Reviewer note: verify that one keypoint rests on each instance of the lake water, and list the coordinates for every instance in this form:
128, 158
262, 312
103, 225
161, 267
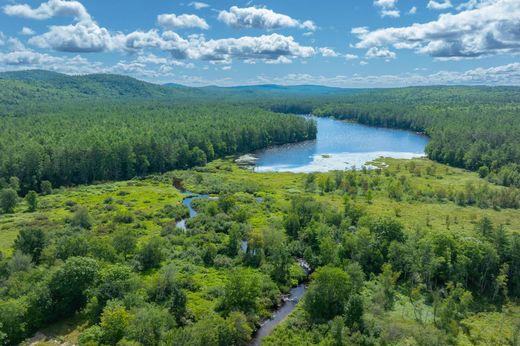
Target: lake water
340, 145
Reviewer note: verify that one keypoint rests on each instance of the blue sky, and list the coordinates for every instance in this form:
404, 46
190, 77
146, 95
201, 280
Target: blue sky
362, 43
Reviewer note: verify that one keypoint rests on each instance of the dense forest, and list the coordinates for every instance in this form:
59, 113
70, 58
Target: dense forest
117, 142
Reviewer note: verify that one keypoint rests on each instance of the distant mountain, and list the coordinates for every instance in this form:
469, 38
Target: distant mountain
102, 85
280, 90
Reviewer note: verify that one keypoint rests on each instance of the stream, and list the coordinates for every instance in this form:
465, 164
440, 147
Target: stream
289, 301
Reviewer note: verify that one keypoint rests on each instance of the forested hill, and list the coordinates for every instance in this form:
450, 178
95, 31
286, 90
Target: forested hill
25, 92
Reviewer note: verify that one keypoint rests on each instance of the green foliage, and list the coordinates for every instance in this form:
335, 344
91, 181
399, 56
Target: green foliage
32, 200
20, 262
114, 324
213, 330
149, 325
213, 283
451, 309
46, 187
8, 200
68, 285
328, 294
113, 282
150, 254
30, 241
125, 242
386, 287
82, 218
13, 322
241, 292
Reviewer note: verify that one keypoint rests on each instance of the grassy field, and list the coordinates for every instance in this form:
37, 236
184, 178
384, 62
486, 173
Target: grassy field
144, 201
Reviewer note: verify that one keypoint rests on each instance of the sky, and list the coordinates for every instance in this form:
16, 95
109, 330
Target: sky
344, 43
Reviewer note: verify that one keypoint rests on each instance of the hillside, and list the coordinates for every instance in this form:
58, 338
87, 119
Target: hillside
24, 92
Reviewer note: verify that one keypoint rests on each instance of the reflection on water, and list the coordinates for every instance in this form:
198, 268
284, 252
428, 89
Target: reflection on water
340, 145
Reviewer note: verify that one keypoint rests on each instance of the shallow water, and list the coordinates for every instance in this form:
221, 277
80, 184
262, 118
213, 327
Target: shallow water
290, 303
187, 202
341, 145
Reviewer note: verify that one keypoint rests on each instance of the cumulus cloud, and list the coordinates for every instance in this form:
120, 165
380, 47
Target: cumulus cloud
413, 10
376, 52
269, 48
49, 9
27, 31
27, 57
387, 8
439, 5
328, 52
261, 18
19, 57
82, 37
272, 48
182, 21
351, 56
491, 28
198, 5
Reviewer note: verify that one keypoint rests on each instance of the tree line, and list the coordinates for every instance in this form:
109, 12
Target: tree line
115, 142
472, 128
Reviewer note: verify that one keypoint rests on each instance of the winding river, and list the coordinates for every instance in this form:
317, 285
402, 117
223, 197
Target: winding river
340, 145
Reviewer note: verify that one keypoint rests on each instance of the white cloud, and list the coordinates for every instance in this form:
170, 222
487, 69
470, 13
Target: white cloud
27, 31
351, 56
387, 8
155, 60
471, 4
2, 39
182, 21
327, 52
268, 48
49, 9
362, 30
28, 57
376, 52
491, 28
261, 18
413, 10
439, 5
85, 37
198, 5
499, 75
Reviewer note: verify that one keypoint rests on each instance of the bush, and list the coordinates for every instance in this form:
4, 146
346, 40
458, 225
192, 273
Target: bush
328, 294
82, 218
8, 200
32, 200
31, 242
150, 255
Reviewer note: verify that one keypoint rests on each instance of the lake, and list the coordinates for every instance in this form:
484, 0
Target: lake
341, 145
